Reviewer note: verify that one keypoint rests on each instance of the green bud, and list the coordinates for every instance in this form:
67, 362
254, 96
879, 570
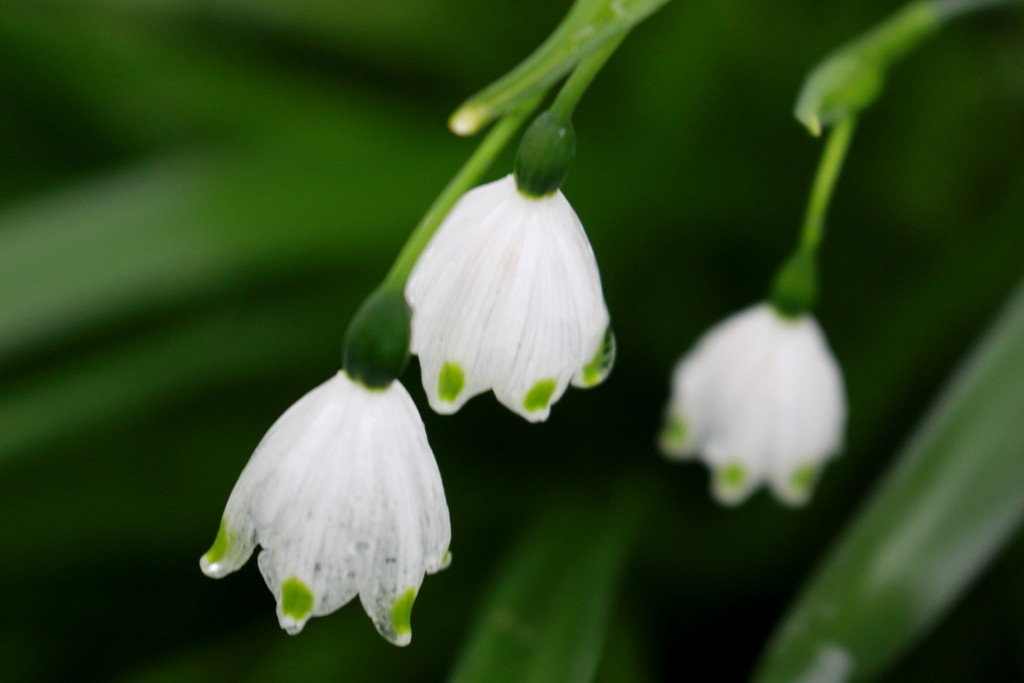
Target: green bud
851, 78
377, 340
795, 290
545, 154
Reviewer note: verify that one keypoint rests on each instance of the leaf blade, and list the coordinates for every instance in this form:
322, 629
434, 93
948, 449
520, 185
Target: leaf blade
951, 501
549, 612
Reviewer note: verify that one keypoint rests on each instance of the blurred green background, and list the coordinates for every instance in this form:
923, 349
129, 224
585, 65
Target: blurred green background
195, 197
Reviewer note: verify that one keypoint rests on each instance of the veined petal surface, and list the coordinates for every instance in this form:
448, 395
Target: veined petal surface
344, 497
507, 297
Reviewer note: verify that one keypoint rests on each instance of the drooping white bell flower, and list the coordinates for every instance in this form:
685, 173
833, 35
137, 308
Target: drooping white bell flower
507, 297
344, 497
760, 398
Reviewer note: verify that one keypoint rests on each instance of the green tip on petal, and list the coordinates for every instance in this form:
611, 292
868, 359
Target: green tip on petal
733, 476
450, 382
401, 612
296, 599
219, 548
446, 560
730, 484
539, 396
673, 437
801, 484
601, 364
213, 562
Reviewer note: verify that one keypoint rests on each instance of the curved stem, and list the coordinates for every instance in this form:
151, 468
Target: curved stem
477, 164
582, 76
584, 30
824, 183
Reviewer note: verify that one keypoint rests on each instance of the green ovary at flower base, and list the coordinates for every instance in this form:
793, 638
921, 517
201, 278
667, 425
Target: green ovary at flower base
506, 295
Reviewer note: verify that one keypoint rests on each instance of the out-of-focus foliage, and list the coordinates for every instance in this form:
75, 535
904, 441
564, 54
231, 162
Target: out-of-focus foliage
195, 197
949, 504
548, 615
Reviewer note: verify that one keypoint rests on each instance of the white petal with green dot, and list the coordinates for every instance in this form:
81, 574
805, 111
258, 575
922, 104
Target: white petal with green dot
507, 297
762, 400
344, 498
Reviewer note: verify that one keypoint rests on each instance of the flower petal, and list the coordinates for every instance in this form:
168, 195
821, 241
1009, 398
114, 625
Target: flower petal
507, 297
344, 497
761, 398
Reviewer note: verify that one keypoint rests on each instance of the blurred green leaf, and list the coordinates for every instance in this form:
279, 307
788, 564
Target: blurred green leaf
627, 656
952, 500
143, 371
548, 615
169, 229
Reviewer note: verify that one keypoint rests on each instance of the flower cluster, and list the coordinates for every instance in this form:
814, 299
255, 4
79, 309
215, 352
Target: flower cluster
343, 494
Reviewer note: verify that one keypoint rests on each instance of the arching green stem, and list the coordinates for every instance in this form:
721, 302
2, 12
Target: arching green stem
467, 176
548, 147
853, 76
576, 85
588, 26
795, 289
831, 164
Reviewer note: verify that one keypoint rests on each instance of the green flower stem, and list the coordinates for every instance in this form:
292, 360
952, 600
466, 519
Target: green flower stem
582, 76
548, 147
853, 76
795, 288
831, 164
470, 173
588, 25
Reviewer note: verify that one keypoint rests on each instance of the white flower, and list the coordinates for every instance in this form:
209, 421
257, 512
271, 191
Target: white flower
760, 398
507, 297
344, 497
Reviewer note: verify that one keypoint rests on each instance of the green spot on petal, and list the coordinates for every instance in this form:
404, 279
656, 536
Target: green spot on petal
601, 364
673, 436
219, 548
539, 396
450, 382
732, 477
803, 479
296, 599
401, 612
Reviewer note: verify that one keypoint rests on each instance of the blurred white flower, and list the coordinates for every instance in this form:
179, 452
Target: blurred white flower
507, 297
344, 498
760, 398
